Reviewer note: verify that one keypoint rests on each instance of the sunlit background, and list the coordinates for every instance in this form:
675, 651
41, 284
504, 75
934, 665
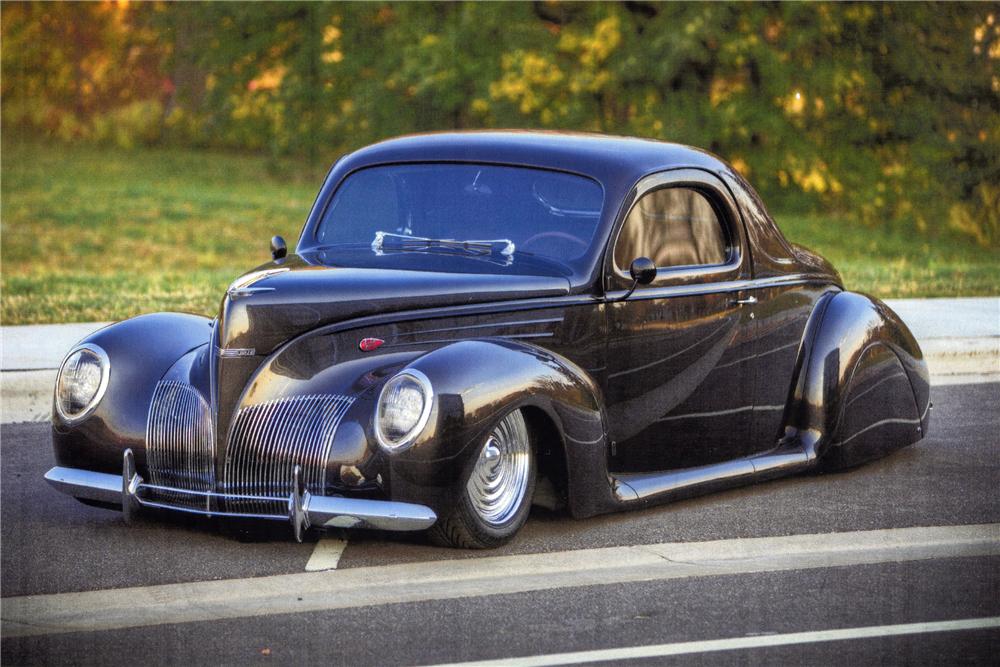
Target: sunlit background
150, 150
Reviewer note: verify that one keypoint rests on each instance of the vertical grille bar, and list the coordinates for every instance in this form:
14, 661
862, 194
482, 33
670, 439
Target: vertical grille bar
269, 439
180, 447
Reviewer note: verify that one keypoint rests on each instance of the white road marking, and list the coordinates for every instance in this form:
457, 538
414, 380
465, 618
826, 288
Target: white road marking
474, 577
326, 554
736, 643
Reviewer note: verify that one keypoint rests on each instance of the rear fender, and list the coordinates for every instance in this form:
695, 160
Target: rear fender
853, 340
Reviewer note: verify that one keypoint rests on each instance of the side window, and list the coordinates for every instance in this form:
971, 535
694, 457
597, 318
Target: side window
673, 227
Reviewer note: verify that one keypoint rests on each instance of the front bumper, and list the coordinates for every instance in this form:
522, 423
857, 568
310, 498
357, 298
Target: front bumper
304, 509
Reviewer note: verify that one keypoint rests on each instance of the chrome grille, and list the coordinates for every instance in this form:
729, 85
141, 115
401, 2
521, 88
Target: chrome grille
269, 439
180, 447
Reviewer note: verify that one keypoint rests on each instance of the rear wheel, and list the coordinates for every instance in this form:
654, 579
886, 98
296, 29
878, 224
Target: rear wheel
493, 503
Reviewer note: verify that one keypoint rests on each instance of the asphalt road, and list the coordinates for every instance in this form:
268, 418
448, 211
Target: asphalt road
51, 544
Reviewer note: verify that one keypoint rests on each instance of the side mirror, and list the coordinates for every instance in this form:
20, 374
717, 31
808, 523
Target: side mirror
278, 247
643, 272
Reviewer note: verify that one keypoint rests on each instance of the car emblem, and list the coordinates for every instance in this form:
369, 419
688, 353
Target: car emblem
231, 352
370, 344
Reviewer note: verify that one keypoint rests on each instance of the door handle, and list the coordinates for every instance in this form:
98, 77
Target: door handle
742, 302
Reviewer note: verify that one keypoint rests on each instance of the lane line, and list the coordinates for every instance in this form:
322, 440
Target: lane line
326, 554
736, 643
476, 577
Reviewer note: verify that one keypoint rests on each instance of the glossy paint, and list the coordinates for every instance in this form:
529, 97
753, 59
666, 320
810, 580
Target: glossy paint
705, 378
673, 343
141, 350
480, 365
855, 343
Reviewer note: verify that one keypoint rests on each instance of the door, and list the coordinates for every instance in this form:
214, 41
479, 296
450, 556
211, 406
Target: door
782, 312
679, 374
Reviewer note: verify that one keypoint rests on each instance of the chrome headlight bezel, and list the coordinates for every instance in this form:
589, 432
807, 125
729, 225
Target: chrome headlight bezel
424, 383
95, 400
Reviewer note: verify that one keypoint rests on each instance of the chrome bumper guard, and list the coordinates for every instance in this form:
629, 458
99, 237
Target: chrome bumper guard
304, 509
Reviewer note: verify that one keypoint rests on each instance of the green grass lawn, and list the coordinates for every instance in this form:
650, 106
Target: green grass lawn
98, 234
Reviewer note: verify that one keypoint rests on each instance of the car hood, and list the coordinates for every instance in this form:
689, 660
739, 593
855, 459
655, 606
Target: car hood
280, 300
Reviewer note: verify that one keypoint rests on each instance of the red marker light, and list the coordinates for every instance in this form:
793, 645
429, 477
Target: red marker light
370, 344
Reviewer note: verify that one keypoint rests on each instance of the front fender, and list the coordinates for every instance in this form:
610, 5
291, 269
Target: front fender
474, 383
847, 337
140, 350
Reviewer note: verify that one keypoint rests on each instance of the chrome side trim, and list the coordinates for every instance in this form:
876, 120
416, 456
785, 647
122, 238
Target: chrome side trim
455, 340
489, 325
728, 286
670, 484
319, 511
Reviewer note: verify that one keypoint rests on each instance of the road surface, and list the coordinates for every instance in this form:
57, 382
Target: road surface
897, 561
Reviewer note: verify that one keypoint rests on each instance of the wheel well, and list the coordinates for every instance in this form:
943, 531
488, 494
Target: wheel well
550, 450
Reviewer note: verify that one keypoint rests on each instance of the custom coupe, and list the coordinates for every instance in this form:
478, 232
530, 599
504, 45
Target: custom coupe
473, 320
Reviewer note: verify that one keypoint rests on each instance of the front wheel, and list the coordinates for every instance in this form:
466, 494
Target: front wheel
495, 500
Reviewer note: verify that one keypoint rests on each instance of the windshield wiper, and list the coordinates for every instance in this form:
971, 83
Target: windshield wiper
386, 240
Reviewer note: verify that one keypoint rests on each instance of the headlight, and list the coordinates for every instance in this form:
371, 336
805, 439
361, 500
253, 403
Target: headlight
403, 408
82, 380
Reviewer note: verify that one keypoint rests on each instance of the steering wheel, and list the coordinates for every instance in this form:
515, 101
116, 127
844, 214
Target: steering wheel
565, 236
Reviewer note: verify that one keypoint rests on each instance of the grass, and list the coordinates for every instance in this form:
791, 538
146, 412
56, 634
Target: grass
96, 234
895, 264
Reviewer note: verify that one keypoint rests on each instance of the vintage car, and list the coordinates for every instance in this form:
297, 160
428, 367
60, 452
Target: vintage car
470, 317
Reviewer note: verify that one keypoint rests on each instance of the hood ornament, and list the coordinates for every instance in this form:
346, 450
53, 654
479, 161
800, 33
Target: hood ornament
241, 286
235, 293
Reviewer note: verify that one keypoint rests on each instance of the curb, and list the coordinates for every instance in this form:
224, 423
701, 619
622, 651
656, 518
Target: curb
962, 360
26, 396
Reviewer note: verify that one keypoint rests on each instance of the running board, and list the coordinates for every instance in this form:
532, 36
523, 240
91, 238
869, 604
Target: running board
687, 482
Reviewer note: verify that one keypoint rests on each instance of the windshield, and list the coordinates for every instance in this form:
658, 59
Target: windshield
547, 214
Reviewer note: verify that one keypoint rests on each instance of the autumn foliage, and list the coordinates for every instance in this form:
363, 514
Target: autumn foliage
890, 112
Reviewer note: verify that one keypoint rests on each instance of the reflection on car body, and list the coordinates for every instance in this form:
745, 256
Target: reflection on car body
466, 315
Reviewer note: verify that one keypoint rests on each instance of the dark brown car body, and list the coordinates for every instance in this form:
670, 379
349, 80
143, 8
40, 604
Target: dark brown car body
706, 378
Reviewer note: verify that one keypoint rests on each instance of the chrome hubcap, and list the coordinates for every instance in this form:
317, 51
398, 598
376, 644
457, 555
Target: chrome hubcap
500, 479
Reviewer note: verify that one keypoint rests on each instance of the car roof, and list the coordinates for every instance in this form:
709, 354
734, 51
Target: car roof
617, 163
609, 159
